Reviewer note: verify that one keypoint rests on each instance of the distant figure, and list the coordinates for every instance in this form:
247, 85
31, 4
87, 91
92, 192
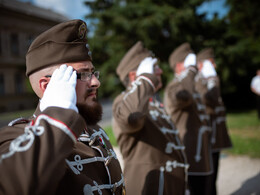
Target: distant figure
154, 158
255, 87
184, 104
208, 85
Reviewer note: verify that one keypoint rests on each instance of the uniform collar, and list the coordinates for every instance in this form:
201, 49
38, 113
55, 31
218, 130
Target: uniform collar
37, 111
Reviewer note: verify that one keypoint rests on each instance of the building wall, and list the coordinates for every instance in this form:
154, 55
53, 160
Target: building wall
18, 28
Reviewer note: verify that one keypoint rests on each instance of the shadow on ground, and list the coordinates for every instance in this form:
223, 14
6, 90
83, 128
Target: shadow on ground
250, 186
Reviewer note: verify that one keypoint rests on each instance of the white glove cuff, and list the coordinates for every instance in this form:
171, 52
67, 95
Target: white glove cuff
190, 60
61, 104
146, 66
208, 69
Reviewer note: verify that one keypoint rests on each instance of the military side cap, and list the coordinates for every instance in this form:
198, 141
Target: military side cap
179, 54
132, 59
204, 54
63, 43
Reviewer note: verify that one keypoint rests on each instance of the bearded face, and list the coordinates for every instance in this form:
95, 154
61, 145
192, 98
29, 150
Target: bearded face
87, 93
91, 113
91, 110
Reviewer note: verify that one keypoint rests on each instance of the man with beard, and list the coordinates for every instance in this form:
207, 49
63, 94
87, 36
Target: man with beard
60, 149
154, 158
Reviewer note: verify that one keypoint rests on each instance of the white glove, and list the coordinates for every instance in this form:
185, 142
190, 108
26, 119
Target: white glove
146, 66
61, 91
208, 69
190, 60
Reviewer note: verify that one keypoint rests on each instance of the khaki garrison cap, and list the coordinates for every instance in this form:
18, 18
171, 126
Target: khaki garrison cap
204, 54
179, 54
132, 59
66, 42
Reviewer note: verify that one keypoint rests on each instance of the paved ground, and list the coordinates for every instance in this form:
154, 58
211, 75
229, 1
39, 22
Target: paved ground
239, 175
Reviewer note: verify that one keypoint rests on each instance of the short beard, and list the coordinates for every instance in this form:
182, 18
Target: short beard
91, 114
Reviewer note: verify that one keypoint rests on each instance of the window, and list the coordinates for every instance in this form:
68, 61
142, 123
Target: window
2, 85
18, 83
0, 44
29, 41
14, 41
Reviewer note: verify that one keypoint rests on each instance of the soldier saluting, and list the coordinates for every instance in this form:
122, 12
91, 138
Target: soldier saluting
208, 85
154, 159
61, 149
184, 104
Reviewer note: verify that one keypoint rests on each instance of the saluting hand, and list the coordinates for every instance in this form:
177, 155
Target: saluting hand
61, 91
190, 60
208, 69
146, 66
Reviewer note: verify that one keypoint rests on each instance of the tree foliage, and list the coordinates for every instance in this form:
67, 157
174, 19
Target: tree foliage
161, 25
165, 24
241, 52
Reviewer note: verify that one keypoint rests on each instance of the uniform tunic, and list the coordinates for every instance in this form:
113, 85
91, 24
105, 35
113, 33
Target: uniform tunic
56, 153
153, 154
211, 96
184, 106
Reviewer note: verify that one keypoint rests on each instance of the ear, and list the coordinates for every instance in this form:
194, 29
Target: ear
43, 82
200, 65
213, 62
179, 67
132, 76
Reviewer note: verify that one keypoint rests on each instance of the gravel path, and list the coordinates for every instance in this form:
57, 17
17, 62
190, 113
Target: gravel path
239, 175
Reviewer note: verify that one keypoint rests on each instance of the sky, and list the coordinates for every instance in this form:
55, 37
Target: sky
213, 6
75, 9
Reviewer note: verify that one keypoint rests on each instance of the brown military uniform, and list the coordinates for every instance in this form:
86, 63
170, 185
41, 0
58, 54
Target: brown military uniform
55, 153
209, 88
211, 96
153, 154
185, 107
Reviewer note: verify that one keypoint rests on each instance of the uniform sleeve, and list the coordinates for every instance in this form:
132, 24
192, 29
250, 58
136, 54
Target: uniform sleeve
180, 94
129, 110
34, 161
212, 93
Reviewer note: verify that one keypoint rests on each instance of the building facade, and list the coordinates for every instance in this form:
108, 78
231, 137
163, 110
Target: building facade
20, 23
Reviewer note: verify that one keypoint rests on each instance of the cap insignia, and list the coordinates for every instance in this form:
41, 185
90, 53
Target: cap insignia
82, 31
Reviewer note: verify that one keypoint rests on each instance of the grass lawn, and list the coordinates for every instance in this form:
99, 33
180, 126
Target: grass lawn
110, 134
244, 129
9, 116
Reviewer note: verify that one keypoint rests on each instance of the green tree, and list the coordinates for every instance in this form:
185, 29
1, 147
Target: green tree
161, 24
241, 52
